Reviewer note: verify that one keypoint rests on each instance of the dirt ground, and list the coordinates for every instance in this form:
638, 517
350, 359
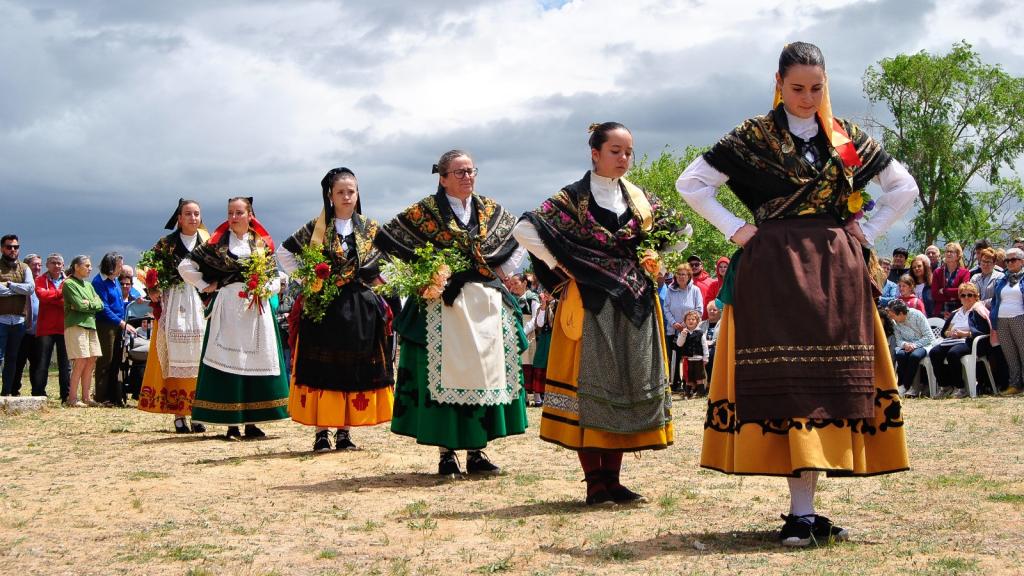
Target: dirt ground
115, 491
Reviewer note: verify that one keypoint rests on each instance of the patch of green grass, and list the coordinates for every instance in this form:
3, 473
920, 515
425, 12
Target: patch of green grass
960, 481
617, 554
398, 567
1017, 419
526, 479
952, 566
188, 553
1008, 498
137, 503
600, 537
424, 524
198, 571
146, 474
499, 565
667, 504
327, 554
368, 526
417, 509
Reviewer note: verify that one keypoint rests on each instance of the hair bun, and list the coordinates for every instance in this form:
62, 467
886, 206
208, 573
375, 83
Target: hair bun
593, 126
434, 170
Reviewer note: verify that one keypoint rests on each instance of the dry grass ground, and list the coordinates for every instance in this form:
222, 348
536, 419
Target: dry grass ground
113, 491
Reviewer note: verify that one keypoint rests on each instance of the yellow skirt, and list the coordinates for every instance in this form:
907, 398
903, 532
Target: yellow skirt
839, 447
560, 421
337, 409
161, 395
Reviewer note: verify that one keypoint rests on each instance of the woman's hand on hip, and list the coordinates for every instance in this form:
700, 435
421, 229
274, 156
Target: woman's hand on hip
743, 235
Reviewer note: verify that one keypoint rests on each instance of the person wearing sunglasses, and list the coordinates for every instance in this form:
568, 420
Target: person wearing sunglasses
965, 323
15, 288
1008, 318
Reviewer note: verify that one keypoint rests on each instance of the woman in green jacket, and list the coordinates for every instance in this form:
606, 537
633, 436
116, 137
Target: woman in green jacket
81, 303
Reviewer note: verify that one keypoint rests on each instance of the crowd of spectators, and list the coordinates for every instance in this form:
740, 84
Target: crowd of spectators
37, 317
965, 311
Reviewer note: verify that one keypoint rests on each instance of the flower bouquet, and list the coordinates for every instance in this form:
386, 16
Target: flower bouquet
425, 277
258, 269
663, 248
320, 283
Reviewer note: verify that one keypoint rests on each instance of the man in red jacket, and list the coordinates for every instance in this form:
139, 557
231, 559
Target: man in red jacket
701, 279
50, 328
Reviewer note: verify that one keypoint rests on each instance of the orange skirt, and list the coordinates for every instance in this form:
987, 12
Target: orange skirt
840, 447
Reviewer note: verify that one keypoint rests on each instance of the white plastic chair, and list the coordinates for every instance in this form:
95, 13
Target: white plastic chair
936, 325
970, 365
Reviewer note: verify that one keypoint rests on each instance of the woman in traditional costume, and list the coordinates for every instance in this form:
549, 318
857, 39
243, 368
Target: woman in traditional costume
819, 394
340, 377
529, 306
607, 389
242, 379
459, 382
176, 342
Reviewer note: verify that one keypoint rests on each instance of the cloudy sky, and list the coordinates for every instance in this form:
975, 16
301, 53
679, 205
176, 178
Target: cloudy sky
112, 110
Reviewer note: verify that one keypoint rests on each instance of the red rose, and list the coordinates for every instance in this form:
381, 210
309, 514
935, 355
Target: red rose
152, 278
242, 294
254, 277
322, 270
252, 284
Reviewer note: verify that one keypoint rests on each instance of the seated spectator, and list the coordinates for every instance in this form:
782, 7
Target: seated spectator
921, 272
947, 279
934, 256
912, 335
889, 289
899, 264
907, 295
987, 276
15, 287
964, 324
28, 352
50, 329
710, 329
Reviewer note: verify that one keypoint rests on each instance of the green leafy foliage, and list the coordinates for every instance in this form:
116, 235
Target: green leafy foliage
956, 120
658, 176
430, 268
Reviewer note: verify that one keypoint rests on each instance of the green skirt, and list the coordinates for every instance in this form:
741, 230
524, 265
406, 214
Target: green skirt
454, 426
233, 399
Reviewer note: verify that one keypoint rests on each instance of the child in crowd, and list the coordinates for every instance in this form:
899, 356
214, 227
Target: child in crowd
694, 353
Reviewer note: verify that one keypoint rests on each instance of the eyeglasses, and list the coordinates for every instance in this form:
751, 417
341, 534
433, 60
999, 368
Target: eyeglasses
968, 295
12, 247
463, 173
1012, 260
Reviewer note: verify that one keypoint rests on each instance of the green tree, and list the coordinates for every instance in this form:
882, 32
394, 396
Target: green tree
659, 176
957, 121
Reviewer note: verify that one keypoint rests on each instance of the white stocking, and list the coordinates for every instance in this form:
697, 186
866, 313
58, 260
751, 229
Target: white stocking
801, 493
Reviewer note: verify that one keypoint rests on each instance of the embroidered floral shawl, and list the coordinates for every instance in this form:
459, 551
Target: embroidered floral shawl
602, 261
773, 180
364, 259
218, 264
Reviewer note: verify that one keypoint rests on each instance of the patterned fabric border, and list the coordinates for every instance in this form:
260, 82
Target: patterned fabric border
561, 402
231, 407
443, 395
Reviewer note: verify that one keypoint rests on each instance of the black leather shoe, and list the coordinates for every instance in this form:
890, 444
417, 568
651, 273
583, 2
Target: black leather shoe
478, 463
251, 431
180, 427
343, 441
599, 497
448, 464
622, 495
825, 531
233, 433
322, 442
198, 427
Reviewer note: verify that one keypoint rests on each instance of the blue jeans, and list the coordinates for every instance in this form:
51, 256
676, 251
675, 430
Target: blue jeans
907, 364
11, 336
